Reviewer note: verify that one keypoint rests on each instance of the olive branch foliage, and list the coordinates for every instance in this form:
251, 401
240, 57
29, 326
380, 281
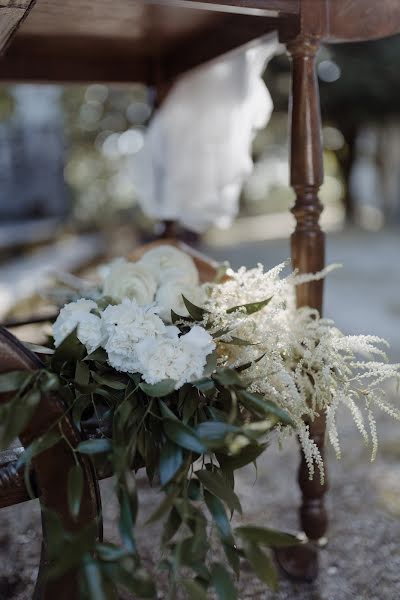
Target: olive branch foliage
190, 442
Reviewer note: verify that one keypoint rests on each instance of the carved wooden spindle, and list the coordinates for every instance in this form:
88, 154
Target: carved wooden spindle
308, 244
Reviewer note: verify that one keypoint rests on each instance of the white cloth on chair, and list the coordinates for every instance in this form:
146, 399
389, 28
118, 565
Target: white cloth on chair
197, 150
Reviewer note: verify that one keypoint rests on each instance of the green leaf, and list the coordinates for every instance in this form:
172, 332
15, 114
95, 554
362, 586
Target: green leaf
15, 416
247, 455
256, 402
228, 377
171, 526
99, 355
82, 373
216, 484
94, 581
194, 590
110, 552
261, 564
163, 508
75, 489
235, 341
159, 390
79, 407
166, 412
110, 381
94, 446
249, 364
171, 460
211, 364
232, 553
126, 521
190, 405
267, 537
183, 436
13, 380
213, 433
215, 430
194, 490
251, 308
219, 516
69, 349
204, 385
221, 581
42, 443
175, 317
194, 311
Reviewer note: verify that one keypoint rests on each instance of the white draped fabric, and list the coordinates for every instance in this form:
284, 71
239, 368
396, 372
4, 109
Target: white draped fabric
197, 151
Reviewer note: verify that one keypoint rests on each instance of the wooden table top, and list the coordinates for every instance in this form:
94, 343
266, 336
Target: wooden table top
152, 40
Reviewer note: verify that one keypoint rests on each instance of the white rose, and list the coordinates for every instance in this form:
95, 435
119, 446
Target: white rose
124, 325
167, 263
169, 296
77, 315
103, 271
130, 280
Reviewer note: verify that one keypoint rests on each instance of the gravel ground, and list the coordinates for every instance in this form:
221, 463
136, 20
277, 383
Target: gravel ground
362, 558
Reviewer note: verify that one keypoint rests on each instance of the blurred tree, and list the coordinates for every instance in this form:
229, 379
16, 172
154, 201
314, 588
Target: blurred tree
359, 85
105, 127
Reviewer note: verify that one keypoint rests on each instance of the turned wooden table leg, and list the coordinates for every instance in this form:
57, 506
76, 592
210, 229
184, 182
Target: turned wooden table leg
308, 248
308, 244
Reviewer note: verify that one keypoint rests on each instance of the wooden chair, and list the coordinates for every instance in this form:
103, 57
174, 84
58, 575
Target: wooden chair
86, 42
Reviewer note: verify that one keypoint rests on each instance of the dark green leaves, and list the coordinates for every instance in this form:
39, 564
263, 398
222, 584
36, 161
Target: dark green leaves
222, 582
258, 404
267, 537
75, 489
219, 516
95, 446
16, 414
251, 308
194, 311
183, 436
216, 484
213, 433
159, 390
171, 459
69, 350
261, 564
94, 581
228, 377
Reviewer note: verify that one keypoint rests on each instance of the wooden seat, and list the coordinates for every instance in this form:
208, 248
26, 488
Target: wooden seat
50, 468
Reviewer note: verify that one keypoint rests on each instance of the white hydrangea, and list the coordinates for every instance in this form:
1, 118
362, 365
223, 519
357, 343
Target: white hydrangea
130, 280
167, 263
169, 296
77, 315
172, 357
124, 325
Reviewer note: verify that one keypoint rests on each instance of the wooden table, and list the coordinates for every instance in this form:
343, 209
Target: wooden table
154, 41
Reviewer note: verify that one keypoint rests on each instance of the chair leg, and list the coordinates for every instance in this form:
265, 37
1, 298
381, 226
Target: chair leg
308, 246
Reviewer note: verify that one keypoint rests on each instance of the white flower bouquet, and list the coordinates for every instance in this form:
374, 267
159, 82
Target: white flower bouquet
189, 380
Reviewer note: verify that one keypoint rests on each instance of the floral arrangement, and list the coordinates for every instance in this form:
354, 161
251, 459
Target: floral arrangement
189, 380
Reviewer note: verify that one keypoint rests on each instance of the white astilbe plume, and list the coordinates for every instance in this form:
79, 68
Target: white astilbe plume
300, 361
